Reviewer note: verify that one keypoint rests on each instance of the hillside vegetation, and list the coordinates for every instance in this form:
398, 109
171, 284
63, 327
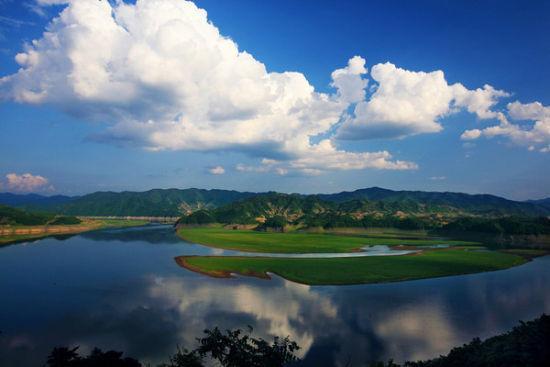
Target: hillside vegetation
13, 217
177, 202
425, 201
283, 212
158, 202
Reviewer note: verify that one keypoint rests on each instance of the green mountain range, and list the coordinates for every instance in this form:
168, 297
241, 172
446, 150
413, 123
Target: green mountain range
245, 205
425, 201
281, 212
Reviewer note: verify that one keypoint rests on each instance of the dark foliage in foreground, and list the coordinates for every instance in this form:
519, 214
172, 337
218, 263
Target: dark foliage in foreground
526, 345
65, 357
232, 348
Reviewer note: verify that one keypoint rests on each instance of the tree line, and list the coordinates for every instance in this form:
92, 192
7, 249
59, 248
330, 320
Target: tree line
526, 345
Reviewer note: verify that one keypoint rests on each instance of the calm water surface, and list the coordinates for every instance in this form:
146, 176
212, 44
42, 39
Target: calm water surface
121, 289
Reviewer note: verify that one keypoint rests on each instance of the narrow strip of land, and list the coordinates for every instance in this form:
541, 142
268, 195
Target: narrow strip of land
355, 270
13, 234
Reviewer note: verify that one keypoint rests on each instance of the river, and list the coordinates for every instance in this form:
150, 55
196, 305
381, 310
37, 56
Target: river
121, 289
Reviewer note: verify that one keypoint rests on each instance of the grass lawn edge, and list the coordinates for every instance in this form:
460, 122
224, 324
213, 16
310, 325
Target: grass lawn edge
183, 261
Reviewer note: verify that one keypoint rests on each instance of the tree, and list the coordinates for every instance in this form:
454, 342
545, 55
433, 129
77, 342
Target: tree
65, 357
236, 349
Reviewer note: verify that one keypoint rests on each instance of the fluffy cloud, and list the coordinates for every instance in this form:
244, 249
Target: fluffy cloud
325, 156
348, 81
479, 101
159, 75
163, 77
217, 170
534, 133
528, 111
27, 182
471, 134
407, 103
267, 165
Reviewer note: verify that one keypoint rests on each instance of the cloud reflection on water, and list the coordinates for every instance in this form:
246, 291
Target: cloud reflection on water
151, 307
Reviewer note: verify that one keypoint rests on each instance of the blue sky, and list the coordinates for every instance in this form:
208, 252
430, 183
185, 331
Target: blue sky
502, 44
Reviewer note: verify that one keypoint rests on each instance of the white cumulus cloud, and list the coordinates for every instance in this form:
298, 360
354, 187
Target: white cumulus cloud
532, 129
163, 77
217, 170
349, 81
408, 102
471, 134
27, 182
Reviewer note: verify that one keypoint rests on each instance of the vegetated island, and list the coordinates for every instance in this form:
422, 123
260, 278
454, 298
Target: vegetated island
290, 224
356, 270
18, 225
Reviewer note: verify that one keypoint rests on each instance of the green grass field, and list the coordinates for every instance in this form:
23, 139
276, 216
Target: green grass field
357, 270
120, 223
295, 242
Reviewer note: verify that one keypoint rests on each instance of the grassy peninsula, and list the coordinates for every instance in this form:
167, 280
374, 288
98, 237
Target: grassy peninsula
358, 270
299, 242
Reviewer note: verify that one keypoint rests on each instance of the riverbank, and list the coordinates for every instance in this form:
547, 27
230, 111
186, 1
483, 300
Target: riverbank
13, 234
301, 242
293, 255
356, 270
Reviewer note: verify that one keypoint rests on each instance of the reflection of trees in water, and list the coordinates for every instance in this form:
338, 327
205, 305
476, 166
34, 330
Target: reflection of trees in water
148, 318
58, 237
153, 234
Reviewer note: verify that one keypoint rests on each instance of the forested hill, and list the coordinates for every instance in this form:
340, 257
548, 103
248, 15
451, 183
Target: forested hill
7, 198
285, 211
18, 217
444, 201
542, 202
157, 202
176, 202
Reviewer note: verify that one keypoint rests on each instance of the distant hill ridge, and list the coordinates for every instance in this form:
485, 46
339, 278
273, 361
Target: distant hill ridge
476, 203
175, 202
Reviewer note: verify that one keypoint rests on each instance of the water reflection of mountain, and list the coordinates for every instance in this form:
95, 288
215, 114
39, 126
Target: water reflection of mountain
153, 234
149, 317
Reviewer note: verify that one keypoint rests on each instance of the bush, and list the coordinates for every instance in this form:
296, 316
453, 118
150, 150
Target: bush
66, 220
198, 217
231, 348
275, 222
14, 216
525, 345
